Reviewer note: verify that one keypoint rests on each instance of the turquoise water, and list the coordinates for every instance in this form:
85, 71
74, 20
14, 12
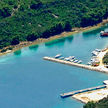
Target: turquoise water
27, 81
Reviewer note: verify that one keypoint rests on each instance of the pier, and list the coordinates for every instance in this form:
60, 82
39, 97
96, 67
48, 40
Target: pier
98, 68
64, 95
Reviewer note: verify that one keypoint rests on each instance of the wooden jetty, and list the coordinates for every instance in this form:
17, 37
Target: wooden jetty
64, 95
99, 69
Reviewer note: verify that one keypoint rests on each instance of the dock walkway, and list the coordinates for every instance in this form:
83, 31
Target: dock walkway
81, 91
99, 69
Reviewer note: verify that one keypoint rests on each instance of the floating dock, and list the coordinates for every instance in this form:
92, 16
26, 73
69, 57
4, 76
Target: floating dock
81, 91
99, 69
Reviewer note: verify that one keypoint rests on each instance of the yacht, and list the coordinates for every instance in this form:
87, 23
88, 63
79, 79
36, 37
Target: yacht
58, 55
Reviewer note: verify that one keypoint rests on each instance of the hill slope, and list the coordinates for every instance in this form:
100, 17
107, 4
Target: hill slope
22, 20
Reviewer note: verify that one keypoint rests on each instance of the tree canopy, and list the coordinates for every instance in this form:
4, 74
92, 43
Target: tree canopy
101, 104
45, 18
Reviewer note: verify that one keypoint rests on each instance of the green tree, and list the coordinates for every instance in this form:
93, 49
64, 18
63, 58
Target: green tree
15, 41
31, 37
90, 105
68, 26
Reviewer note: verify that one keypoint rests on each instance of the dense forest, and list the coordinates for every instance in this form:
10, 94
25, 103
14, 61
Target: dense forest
27, 20
101, 104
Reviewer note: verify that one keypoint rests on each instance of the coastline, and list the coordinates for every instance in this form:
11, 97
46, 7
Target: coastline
43, 40
89, 96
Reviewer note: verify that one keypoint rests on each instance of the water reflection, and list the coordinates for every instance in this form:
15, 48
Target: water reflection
34, 47
59, 42
103, 37
69, 39
95, 31
18, 52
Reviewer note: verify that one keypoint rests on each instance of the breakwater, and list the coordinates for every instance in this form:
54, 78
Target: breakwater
81, 91
98, 68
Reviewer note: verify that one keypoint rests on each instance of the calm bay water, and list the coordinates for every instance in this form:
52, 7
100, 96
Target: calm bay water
27, 81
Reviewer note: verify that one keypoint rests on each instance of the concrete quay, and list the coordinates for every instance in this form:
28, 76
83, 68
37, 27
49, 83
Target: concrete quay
98, 68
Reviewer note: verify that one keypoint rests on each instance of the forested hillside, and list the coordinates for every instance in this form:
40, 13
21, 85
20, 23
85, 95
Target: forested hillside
22, 20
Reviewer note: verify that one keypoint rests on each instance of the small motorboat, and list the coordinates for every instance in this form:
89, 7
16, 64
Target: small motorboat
89, 63
80, 61
67, 59
72, 60
98, 50
61, 58
104, 34
95, 53
58, 55
75, 61
72, 57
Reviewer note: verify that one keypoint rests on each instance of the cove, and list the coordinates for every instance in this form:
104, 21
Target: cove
27, 81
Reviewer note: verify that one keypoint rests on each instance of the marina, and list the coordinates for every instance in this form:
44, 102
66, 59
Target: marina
67, 62
70, 58
22, 72
95, 65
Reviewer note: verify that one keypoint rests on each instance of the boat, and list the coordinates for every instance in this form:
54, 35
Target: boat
75, 61
67, 59
72, 60
80, 61
58, 55
95, 53
89, 63
104, 34
61, 58
98, 50
92, 59
71, 57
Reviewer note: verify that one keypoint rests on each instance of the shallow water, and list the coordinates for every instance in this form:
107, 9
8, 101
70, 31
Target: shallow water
27, 81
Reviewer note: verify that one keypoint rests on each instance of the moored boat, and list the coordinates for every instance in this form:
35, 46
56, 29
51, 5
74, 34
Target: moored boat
72, 60
98, 50
61, 58
80, 61
71, 57
58, 55
104, 34
89, 63
67, 59
95, 53
75, 61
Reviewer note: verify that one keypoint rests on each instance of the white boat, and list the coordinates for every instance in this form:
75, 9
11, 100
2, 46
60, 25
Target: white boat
58, 55
67, 59
71, 57
61, 58
92, 59
72, 60
80, 61
89, 63
98, 50
75, 61
95, 53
